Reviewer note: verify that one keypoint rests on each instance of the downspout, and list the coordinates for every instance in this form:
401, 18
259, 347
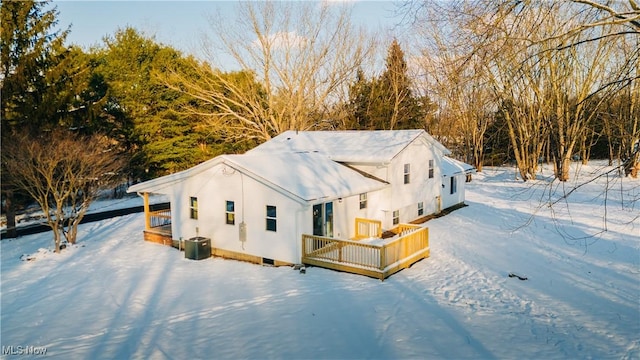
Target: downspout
299, 220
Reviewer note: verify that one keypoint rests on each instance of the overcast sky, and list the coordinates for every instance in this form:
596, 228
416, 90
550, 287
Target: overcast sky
177, 23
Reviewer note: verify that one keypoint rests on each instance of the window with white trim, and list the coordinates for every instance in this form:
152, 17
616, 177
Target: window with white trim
271, 218
407, 173
454, 185
193, 208
230, 211
431, 169
420, 208
363, 201
396, 217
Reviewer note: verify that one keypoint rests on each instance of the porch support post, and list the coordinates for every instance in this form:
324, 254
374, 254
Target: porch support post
147, 212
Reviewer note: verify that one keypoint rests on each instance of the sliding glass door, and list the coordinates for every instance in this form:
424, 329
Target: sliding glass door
323, 219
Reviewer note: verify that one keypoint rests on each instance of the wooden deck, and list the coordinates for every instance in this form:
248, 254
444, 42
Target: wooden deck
366, 228
378, 260
158, 227
371, 254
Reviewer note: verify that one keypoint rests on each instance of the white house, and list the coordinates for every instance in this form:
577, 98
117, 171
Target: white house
454, 175
258, 205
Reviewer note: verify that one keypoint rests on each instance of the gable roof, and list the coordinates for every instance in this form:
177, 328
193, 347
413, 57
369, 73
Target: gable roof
452, 166
352, 146
308, 176
296, 175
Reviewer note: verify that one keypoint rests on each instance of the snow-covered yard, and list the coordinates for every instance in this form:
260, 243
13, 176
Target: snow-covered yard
114, 296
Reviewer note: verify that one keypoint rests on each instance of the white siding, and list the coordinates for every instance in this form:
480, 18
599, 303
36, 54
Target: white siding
221, 183
448, 199
405, 197
348, 209
216, 183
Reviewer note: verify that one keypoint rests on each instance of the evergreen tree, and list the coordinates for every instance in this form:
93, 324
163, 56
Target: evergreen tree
400, 108
360, 102
32, 56
161, 137
31, 62
387, 102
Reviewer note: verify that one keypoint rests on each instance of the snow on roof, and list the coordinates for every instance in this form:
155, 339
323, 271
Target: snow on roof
162, 184
302, 176
452, 166
355, 146
308, 176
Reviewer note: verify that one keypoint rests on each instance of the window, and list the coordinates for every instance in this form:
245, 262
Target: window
430, 169
420, 208
193, 208
231, 213
454, 185
271, 218
396, 217
363, 201
407, 173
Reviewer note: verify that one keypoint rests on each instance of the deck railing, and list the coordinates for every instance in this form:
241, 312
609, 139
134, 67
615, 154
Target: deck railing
412, 240
160, 218
367, 228
378, 261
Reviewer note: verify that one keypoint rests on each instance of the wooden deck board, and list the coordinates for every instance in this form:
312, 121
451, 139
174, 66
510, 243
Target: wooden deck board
378, 261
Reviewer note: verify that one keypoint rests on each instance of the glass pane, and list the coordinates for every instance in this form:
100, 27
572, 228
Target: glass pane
271, 224
271, 211
328, 218
317, 220
231, 218
230, 206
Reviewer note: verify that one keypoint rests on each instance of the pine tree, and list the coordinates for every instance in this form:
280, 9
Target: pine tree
162, 137
360, 103
387, 102
31, 53
400, 109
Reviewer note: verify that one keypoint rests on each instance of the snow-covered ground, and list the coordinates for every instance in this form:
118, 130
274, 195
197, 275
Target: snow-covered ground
114, 296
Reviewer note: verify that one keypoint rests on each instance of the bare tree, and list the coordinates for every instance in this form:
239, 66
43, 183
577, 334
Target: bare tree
458, 83
546, 62
63, 173
299, 56
612, 13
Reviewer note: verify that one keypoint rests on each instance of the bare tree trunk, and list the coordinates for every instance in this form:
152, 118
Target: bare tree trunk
10, 211
60, 170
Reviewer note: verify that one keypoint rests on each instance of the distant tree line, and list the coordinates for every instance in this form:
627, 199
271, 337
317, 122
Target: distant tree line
495, 81
533, 81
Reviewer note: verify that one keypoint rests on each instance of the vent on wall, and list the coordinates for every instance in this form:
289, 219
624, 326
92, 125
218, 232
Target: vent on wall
267, 261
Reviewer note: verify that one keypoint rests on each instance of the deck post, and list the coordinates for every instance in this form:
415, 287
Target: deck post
147, 212
304, 248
